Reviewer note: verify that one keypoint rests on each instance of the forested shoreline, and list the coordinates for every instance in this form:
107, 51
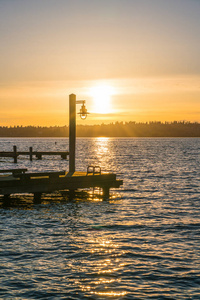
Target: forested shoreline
117, 129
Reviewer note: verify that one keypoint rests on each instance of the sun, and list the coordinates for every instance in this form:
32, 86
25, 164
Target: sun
101, 95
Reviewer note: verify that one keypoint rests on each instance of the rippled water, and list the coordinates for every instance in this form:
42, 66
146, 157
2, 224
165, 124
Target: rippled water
143, 243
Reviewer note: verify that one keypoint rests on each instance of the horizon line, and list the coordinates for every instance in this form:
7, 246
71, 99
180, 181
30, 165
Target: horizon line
111, 123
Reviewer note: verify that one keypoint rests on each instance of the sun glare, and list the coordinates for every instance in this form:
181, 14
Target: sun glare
101, 95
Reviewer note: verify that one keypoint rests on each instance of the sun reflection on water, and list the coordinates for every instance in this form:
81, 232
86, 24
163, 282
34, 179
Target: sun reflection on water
101, 145
143, 246
110, 293
105, 268
103, 153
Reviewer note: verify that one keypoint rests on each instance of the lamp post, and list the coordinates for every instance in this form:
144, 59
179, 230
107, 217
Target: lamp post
72, 127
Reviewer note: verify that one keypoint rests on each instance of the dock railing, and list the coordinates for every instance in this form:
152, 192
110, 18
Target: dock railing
95, 170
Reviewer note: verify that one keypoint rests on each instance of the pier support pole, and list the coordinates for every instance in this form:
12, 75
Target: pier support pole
6, 200
31, 153
37, 198
15, 154
72, 132
71, 194
6, 197
106, 192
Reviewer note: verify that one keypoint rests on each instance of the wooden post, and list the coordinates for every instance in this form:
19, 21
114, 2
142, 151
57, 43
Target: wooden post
71, 194
31, 153
106, 192
37, 198
6, 197
15, 154
72, 132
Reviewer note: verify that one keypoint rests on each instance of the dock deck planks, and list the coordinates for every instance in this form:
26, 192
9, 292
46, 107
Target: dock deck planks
47, 182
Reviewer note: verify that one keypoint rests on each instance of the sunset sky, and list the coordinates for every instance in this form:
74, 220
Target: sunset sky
131, 60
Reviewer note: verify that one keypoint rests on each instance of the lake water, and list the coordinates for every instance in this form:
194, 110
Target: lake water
142, 243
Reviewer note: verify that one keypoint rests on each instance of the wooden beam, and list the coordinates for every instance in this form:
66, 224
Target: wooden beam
72, 132
13, 171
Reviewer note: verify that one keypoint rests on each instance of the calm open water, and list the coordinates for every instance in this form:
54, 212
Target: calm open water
143, 243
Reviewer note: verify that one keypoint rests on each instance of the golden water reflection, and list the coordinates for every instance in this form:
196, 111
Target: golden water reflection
106, 264
110, 293
101, 144
103, 153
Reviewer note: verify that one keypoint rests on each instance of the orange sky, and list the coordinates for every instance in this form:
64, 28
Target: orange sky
130, 60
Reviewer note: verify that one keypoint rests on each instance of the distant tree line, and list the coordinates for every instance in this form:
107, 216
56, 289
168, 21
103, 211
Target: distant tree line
117, 129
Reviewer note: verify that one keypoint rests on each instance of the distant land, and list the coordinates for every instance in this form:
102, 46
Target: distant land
117, 129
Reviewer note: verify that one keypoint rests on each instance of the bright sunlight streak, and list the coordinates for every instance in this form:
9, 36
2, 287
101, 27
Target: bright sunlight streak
101, 95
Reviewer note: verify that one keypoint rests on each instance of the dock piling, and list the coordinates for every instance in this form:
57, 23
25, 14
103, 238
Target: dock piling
31, 153
15, 154
106, 192
6, 197
37, 198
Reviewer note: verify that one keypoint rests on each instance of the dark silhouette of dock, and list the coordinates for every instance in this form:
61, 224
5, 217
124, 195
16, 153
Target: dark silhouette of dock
38, 154
19, 181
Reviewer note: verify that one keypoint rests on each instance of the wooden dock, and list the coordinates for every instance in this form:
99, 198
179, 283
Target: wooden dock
19, 181
38, 154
